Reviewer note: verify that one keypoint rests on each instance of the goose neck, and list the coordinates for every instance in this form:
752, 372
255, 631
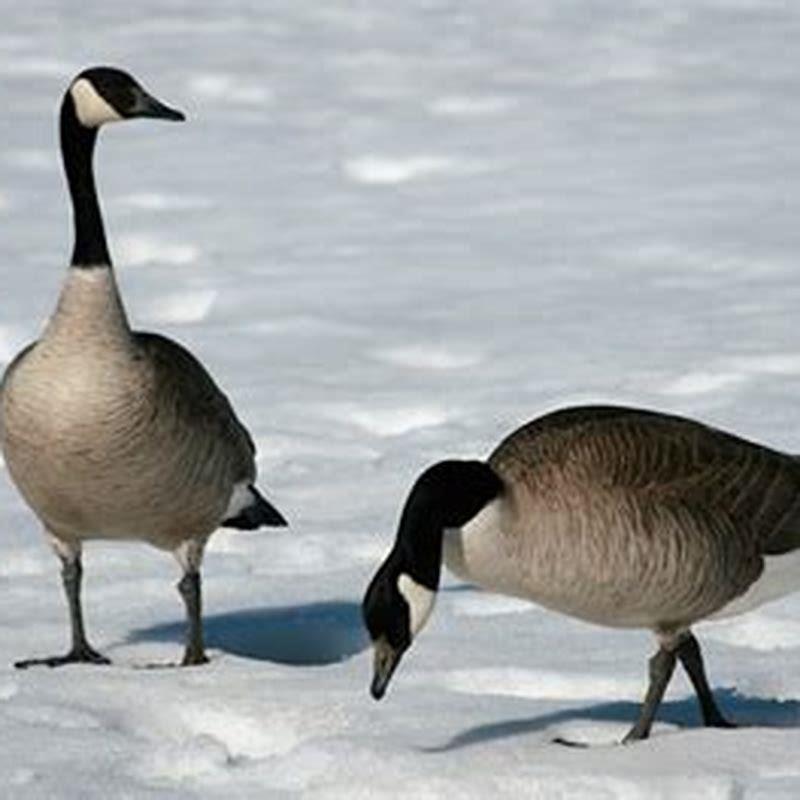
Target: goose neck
77, 150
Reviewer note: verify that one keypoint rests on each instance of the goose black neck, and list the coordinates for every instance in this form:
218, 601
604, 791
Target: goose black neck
447, 495
419, 550
77, 150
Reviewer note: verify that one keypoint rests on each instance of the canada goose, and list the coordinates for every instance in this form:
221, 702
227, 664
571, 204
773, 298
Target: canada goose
115, 434
618, 516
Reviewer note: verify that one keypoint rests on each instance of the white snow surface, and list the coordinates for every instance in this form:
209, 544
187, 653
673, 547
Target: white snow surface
394, 232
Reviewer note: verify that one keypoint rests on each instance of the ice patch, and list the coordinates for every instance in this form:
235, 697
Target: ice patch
427, 357
703, 383
183, 308
537, 685
4, 202
384, 170
143, 249
391, 421
229, 89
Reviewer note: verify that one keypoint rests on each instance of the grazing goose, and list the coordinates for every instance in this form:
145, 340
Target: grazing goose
114, 434
618, 516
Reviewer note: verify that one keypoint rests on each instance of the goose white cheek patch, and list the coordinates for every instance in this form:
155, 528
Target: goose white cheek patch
90, 108
420, 600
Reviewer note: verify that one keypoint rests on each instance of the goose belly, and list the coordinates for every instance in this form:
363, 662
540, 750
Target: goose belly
608, 572
93, 461
481, 562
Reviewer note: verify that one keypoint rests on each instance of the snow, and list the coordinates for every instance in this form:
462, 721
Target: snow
386, 170
394, 232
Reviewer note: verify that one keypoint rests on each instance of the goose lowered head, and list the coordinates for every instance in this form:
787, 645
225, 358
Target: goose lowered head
401, 596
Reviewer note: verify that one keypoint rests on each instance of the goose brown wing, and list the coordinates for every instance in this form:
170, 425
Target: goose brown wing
662, 460
200, 409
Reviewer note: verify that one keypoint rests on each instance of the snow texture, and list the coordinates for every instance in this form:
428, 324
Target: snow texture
394, 232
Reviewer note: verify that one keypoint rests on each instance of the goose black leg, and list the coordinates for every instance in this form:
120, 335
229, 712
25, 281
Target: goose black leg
81, 650
688, 651
661, 667
189, 587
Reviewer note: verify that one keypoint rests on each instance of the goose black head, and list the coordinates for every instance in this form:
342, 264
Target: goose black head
401, 596
107, 94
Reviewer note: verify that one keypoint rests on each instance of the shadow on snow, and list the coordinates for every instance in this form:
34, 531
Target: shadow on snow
744, 711
314, 634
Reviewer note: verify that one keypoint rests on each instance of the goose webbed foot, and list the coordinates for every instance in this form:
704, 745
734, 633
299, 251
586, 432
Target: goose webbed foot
570, 743
662, 665
719, 722
638, 733
190, 659
193, 658
82, 654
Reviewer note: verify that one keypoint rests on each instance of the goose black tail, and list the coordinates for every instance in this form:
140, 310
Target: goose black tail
256, 515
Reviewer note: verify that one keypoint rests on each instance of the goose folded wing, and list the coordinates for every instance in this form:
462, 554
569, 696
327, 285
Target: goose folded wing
190, 393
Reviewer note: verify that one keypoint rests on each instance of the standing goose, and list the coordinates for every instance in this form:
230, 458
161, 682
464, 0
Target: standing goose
618, 516
115, 434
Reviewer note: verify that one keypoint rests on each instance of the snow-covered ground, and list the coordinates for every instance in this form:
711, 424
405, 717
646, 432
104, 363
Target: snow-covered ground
394, 231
